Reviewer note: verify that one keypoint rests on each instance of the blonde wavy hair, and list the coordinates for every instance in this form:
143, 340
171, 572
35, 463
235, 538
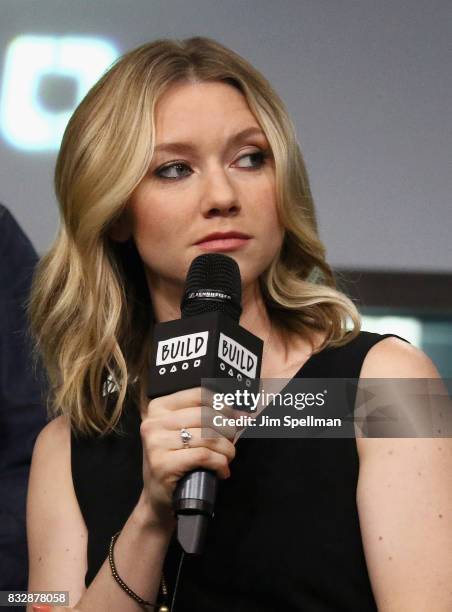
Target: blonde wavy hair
90, 308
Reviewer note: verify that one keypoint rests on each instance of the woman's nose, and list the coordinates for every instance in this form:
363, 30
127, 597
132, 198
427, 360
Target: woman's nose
219, 197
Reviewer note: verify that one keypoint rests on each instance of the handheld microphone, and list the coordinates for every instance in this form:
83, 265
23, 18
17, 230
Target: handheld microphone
207, 342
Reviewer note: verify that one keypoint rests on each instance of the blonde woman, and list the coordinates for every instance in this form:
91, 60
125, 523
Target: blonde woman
180, 140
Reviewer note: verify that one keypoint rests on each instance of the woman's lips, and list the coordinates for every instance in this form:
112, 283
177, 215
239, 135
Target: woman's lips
222, 244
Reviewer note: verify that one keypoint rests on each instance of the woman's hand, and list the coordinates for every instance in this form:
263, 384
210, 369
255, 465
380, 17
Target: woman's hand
165, 460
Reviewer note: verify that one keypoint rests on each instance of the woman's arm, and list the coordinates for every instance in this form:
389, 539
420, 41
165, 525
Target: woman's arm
56, 532
404, 500
57, 536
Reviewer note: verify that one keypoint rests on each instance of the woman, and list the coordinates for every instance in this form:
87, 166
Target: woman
178, 141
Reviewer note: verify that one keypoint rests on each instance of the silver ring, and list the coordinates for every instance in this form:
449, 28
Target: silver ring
185, 436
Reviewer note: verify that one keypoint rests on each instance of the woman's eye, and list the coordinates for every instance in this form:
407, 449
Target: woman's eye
179, 170
172, 171
257, 159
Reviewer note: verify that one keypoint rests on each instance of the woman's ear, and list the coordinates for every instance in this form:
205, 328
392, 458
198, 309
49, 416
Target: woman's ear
121, 229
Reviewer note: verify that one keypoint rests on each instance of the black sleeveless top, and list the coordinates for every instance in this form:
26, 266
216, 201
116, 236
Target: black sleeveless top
286, 533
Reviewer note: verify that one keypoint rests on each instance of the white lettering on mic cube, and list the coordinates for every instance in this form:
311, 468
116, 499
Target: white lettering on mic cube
181, 348
237, 356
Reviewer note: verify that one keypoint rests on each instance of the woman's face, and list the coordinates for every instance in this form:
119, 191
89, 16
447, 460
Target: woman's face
212, 172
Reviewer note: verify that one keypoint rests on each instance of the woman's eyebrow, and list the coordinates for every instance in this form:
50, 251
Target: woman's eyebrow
187, 146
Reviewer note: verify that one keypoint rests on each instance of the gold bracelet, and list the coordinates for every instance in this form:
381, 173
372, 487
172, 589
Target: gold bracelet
146, 604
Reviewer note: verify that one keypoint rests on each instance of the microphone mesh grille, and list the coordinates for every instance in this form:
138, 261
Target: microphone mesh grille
213, 272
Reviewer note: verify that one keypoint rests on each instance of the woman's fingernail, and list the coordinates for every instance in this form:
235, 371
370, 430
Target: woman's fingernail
42, 608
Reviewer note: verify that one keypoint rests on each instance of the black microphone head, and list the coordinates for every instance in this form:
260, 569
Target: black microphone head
213, 284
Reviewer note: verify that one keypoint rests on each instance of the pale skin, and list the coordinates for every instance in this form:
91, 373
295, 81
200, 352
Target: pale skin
404, 496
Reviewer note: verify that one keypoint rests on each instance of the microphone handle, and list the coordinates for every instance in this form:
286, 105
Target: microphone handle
194, 502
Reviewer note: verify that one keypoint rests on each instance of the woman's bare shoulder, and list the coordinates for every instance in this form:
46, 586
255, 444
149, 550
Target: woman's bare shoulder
52, 454
54, 437
393, 358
